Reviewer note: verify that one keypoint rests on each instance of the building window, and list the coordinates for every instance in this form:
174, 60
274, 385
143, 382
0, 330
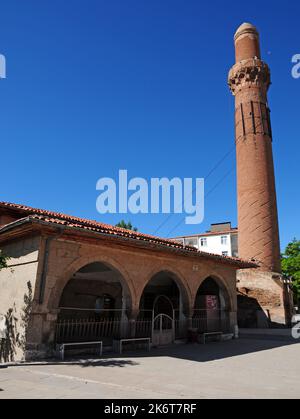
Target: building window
224, 253
224, 240
191, 242
203, 242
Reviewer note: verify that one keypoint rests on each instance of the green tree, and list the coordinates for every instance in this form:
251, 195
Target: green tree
291, 266
127, 226
3, 260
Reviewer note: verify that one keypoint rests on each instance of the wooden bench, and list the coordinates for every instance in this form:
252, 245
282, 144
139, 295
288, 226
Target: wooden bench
210, 334
62, 347
118, 344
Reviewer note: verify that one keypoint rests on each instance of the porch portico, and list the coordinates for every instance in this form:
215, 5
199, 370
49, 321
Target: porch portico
94, 281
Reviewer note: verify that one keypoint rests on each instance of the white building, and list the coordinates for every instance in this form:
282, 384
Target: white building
221, 239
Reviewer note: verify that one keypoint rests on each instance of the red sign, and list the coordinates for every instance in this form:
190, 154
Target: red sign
212, 302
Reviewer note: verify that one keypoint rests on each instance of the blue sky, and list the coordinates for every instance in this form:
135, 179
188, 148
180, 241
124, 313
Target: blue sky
96, 86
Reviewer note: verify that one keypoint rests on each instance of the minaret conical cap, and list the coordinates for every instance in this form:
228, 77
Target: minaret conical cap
246, 28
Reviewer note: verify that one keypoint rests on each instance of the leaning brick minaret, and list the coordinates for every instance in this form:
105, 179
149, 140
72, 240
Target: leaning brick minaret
263, 292
249, 80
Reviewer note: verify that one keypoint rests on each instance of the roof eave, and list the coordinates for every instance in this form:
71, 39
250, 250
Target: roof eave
185, 251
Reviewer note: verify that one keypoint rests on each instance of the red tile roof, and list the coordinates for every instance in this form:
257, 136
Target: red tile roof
57, 218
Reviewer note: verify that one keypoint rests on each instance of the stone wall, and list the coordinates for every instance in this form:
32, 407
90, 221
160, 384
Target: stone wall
264, 295
22, 268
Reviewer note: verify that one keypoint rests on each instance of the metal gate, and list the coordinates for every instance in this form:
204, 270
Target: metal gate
163, 332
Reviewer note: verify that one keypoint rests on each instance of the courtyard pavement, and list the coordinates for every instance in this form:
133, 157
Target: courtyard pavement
244, 368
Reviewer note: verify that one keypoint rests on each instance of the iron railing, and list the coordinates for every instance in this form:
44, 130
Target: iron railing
84, 330
69, 330
211, 321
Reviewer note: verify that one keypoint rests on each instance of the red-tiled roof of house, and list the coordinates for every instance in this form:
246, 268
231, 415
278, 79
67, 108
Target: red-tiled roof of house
56, 218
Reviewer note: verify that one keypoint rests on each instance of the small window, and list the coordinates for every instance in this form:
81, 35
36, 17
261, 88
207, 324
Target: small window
224, 240
203, 242
191, 242
224, 253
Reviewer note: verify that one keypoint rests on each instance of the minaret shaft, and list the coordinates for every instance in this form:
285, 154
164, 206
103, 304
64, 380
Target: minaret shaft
249, 80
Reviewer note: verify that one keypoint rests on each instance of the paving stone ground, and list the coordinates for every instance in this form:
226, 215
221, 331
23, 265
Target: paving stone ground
244, 368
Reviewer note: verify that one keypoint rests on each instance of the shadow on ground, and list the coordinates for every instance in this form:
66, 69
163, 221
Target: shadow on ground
83, 362
217, 351
213, 351
192, 352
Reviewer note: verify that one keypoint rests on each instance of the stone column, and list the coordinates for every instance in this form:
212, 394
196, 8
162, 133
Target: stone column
124, 318
132, 322
41, 335
183, 321
233, 323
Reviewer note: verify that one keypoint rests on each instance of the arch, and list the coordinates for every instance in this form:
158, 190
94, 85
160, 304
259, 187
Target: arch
61, 282
95, 291
178, 278
226, 299
160, 298
183, 290
212, 306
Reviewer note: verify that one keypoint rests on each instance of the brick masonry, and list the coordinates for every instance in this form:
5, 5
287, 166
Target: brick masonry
136, 266
249, 80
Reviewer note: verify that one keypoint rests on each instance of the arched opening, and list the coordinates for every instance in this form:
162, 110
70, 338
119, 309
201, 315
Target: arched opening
94, 305
163, 305
163, 309
211, 309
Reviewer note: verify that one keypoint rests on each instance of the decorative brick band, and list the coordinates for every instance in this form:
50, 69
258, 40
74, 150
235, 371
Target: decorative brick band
252, 117
249, 73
